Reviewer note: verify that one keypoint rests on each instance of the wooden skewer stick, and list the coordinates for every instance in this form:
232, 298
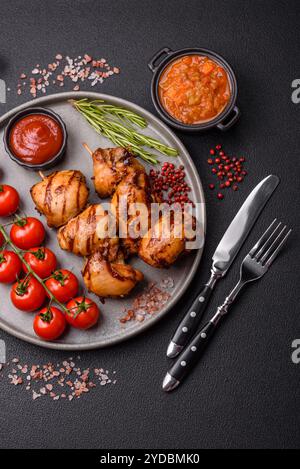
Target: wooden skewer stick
88, 148
42, 175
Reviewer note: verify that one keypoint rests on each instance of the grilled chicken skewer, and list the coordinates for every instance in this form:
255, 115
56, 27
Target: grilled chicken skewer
160, 249
60, 196
89, 232
165, 242
110, 279
131, 206
105, 272
111, 165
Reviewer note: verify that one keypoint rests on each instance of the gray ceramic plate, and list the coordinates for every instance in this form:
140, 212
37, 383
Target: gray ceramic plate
109, 330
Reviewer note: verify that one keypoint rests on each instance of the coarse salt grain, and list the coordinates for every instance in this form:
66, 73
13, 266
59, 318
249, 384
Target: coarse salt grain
74, 69
148, 302
43, 373
35, 395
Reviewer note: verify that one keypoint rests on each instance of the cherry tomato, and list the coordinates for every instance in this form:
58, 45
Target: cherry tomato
28, 294
63, 284
84, 313
27, 233
10, 267
9, 200
42, 261
49, 323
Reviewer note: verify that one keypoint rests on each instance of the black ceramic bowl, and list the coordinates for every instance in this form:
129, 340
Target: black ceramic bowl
36, 110
224, 120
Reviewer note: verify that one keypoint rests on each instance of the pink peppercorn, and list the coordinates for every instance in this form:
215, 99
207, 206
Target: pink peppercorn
227, 168
169, 183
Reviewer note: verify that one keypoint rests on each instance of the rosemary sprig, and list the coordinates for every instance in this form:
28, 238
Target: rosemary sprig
117, 124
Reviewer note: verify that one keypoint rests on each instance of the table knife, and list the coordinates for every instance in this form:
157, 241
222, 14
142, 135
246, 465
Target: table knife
223, 257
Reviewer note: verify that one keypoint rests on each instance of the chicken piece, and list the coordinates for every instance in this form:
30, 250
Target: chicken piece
109, 279
133, 220
89, 232
165, 242
111, 165
60, 196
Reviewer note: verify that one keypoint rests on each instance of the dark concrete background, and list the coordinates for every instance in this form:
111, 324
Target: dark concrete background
245, 392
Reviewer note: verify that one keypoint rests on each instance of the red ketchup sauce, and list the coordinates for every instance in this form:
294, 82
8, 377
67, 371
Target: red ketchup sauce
36, 138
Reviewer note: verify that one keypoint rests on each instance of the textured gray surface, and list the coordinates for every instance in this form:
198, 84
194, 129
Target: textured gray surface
245, 392
109, 330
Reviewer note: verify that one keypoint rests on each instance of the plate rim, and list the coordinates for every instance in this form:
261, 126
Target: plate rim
151, 321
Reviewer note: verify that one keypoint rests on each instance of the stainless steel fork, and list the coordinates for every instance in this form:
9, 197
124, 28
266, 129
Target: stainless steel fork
253, 267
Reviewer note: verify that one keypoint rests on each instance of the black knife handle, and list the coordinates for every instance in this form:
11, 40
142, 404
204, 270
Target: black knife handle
189, 324
190, 356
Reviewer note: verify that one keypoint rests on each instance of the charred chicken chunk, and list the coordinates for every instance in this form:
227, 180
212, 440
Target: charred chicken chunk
60, 196
89, 232
109, 279
111, 165
131, 205
165, 242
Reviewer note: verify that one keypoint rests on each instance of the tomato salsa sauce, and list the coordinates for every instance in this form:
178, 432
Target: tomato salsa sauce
36, 138
194, 89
